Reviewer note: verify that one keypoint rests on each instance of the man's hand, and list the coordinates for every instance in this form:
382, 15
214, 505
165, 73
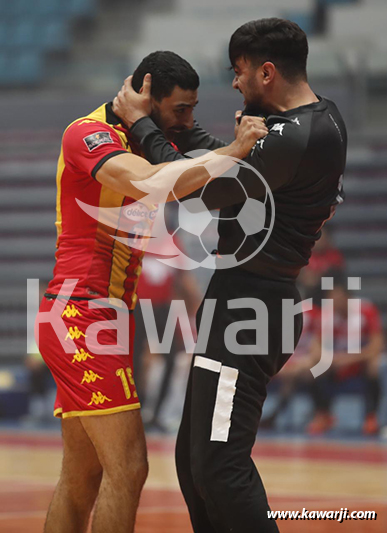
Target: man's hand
238, 118
250, 130
131, 106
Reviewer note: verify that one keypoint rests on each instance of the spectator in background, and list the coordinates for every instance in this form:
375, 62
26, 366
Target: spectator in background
40, 385
161, 284
346, 365
40, 381
325, 257
296, 371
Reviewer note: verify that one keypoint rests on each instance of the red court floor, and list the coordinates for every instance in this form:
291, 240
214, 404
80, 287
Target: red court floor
320, 475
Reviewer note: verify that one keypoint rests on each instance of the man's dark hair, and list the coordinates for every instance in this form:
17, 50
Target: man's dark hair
168, 70
280, 41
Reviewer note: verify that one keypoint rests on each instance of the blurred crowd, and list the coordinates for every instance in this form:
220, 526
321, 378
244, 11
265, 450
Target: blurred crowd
357, 375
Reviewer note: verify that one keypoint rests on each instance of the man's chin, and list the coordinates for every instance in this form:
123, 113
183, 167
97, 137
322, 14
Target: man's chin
171, 134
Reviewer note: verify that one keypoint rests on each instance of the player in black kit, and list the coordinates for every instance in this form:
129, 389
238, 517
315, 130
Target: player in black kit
302, 159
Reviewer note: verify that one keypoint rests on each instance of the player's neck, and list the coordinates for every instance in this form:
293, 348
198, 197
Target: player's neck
293, 96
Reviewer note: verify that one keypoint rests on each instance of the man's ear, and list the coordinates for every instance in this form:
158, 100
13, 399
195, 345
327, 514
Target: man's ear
269, 71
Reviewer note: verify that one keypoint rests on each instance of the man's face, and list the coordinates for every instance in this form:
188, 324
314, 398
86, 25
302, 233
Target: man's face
248, 81
175, 112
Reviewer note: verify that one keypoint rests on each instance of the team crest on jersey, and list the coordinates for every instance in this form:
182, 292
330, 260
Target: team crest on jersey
96, 139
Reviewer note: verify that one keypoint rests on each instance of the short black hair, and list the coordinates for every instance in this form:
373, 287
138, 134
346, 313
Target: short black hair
280, 41
168, 70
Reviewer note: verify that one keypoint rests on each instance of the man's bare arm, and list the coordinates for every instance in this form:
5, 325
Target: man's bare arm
120, 173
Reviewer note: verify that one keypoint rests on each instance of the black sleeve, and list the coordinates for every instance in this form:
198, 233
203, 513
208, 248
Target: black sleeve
276, 157
155, 146
197, 139
158, 150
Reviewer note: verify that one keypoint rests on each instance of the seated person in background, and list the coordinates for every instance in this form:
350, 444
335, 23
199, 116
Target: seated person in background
346, 365
325, 257
40, 382
40, 385
297, 370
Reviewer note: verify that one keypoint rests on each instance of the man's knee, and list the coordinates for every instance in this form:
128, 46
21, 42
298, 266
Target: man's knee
119, 441
82, 476
215, 477
127, 476
207, 476
81, 468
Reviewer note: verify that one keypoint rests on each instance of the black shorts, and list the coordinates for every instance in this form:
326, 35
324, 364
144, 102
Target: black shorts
228, 286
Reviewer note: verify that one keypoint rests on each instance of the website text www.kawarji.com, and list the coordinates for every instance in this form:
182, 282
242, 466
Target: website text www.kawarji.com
339, 516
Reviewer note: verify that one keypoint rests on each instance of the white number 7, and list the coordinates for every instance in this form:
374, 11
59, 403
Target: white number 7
224, 403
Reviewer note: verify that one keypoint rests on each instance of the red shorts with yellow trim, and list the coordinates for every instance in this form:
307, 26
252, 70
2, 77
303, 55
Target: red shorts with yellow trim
88, 383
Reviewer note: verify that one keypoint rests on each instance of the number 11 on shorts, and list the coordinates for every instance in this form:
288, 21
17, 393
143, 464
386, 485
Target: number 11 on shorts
221, 420
124, 380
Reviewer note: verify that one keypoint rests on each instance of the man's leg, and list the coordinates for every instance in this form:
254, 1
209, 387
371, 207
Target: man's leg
226, 393
372, 398
222, 470
195, 503
119, 441
322, 399
79, 482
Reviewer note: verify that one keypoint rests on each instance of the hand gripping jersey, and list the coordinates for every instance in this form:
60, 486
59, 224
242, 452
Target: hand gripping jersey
86, 248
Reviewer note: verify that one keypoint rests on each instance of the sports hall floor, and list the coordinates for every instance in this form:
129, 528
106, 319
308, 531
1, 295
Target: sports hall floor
316, 474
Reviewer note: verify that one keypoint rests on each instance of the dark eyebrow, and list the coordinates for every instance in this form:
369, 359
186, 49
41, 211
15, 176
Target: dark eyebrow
187, 105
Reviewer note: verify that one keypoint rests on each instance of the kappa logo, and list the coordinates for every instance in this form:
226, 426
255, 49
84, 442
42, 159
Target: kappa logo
98, 398
81, 356
71, 312
74, 333
278, 127
96, 139
260, 144
296, 121
90, 377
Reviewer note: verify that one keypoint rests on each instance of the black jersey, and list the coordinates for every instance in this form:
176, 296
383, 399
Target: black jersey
302, 160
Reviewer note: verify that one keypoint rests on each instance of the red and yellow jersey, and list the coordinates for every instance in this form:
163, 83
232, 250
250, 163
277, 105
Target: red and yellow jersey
370, 324
86, 248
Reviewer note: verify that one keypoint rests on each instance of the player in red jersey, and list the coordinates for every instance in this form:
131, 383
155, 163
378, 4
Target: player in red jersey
346, 365
105, 456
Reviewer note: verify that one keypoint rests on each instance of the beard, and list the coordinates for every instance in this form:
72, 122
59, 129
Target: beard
156, 117
254, 110
254, 99
169, 133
